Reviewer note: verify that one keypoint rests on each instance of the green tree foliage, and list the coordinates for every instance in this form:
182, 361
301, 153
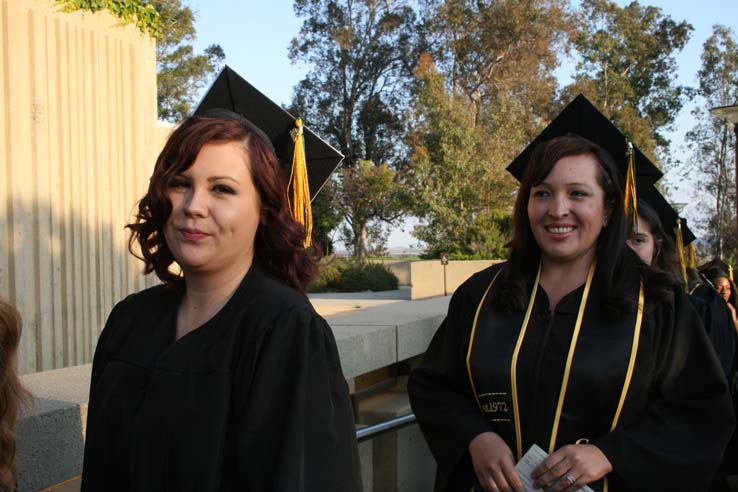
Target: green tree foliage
361, 52
483, 90
367, 195
712, 141
142, 14
628, 68
326, 217
181, 74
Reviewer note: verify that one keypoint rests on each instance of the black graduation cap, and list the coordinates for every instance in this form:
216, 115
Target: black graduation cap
673, 225
580, 117
231, 92
666, 213
716, 264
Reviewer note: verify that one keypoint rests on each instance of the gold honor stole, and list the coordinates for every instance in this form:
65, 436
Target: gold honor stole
608, 349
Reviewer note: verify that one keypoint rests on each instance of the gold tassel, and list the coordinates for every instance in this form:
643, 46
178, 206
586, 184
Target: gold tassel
730, 271
691, 257
680, 252
631, 200
300, 204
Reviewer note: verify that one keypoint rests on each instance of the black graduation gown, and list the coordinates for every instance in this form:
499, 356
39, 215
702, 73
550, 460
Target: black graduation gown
718, 322
674, 423
253, 400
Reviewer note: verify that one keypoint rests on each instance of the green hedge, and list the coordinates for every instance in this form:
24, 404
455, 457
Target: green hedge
330, 276
343, 276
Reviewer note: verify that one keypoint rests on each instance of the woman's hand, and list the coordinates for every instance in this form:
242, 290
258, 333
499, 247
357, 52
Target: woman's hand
494, 464
569, 468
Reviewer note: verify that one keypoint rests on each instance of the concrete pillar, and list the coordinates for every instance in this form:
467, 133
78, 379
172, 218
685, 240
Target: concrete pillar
402, 461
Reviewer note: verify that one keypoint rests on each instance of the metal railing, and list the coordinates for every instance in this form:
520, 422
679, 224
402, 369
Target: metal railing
375, 430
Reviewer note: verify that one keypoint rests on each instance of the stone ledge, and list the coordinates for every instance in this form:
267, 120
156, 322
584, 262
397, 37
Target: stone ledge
51, 440
380, 336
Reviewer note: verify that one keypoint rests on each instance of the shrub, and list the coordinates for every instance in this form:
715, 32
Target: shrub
330, 276
368, 276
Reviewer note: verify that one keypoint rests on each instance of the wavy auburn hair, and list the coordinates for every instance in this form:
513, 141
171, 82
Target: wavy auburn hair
278, 246
12, 394
614, 258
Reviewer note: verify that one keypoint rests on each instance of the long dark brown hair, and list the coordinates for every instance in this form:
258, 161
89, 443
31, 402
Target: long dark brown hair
278, 246
614, 258
665, 255
12, 394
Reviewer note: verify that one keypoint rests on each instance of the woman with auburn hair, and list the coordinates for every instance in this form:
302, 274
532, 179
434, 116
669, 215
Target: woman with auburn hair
12, 394
224, 378
574, 345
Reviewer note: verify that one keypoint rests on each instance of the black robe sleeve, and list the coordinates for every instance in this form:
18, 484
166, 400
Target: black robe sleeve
295, 430
718, 322
677, 442
441, 396
102, 354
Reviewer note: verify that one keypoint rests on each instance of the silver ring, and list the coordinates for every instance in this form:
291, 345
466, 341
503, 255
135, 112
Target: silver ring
570, 478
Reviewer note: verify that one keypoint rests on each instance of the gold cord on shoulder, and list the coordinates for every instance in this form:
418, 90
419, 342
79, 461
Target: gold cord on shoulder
631, 365
471, 339
570, 358
631, 362
514, 365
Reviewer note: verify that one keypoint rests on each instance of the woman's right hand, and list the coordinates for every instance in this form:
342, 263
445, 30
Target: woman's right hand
494, 464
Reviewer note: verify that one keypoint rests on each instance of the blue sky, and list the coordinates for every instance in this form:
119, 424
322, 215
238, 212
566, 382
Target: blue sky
255, 36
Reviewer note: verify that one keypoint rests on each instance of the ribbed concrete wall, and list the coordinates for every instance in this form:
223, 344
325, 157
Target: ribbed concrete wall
78, 137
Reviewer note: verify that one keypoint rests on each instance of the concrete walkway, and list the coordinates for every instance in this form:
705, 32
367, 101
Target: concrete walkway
332, 303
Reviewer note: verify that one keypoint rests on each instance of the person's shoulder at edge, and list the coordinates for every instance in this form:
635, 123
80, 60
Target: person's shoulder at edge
480, 280
271, 297
269, 306
470, 292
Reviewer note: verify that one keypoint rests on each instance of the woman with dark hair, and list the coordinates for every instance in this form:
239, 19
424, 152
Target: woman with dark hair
651, 243
726, 288
656, 248
224, 378
12, 394
654, 245
575, 345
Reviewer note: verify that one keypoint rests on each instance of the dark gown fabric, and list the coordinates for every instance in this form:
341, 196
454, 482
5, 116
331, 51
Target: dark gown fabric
718, 322
253, 400
674, 424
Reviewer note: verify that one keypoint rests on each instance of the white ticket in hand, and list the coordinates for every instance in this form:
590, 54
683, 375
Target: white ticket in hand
529, 462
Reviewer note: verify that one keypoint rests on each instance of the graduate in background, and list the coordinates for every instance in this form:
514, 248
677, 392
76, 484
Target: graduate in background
224, 378
653, 243
572, 344
12, 394
717, 273
657, 242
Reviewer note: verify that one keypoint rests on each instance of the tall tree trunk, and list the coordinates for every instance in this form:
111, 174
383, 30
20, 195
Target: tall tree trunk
359, 229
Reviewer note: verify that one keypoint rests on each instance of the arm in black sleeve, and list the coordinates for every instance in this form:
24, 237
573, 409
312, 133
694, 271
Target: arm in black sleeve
100, 359
295, 427
440, 393
679, 440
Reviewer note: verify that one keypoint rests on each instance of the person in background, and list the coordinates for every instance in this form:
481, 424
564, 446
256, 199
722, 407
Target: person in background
655, 242
223, 378
12, 394
573, 344
656, 246
726, 288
